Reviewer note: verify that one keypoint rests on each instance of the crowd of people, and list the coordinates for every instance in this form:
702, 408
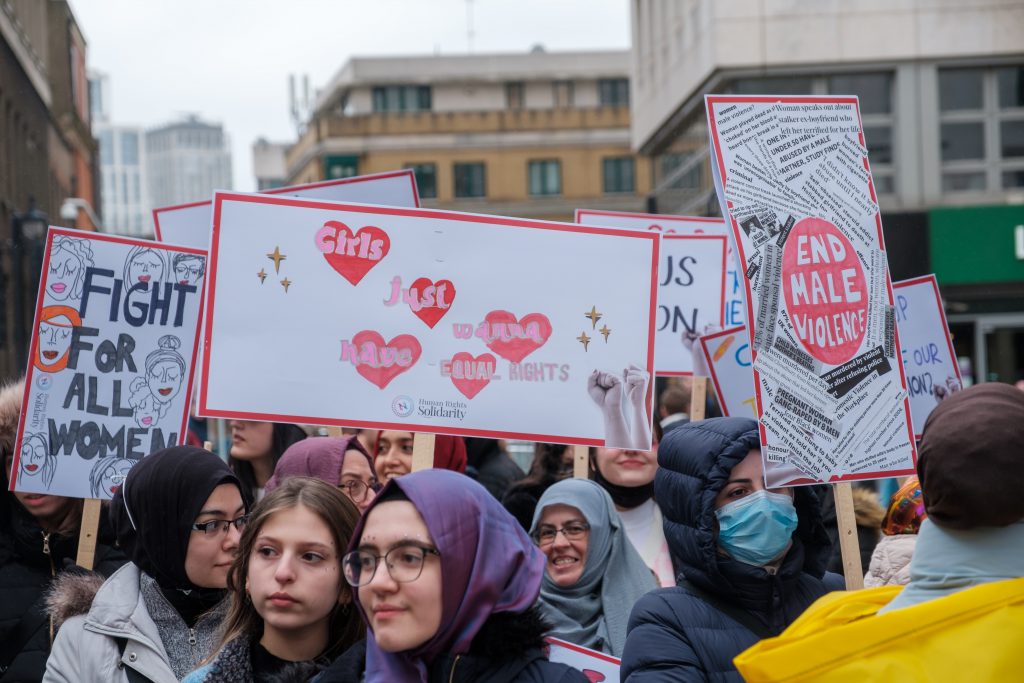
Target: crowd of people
312, 558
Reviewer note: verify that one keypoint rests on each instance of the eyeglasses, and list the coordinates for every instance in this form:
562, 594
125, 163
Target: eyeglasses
404, 563
545, 535
216, 526
356, 490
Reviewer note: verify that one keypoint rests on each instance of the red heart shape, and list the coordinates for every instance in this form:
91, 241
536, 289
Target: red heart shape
366, 244
471, 386
432, 314
381, 375
516, 349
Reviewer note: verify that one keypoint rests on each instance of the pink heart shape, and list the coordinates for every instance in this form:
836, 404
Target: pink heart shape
471, 386
518, 347
382, 374
432, 314
367, 243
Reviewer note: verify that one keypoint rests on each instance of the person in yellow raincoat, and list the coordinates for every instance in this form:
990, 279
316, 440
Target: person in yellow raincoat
961, 616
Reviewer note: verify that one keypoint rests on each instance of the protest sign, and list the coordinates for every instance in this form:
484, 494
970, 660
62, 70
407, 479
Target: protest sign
189, 224
793, 180
927, 350
111, 361
433, 321
728, 359
596, 666
735, 309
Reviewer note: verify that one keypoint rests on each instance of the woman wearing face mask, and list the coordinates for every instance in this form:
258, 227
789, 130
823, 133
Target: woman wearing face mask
628, 477
255, 449
178, 516
291, 609
752, 559
446, 582
340, 462
393, 455
593, 575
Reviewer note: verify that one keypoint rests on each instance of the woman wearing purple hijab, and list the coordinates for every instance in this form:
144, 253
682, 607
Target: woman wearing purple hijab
447, 582
341, 462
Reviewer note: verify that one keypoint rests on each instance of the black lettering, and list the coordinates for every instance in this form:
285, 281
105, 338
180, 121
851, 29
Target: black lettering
112, 442
682, 267
63, 437
157, 442
76, 391
90, 287
183, 292
110, 357
134, 441
78, 344
88, 443
158, 305
143, 308
115, 404
92, 407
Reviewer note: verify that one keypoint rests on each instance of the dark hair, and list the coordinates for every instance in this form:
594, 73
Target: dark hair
282, 436
545, 468
675, 400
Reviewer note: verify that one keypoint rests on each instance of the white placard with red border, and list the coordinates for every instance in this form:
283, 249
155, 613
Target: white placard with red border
928, 357
735, 308
793, 180
382, 317
189, 224
728, 359
596, 666
111, 361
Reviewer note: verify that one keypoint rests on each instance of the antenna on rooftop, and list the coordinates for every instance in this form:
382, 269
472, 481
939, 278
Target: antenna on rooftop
299, 105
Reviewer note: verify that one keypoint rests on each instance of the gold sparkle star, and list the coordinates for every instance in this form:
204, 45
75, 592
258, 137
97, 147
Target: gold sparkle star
276, 256
286, 283
262, 275
605, 330
583, 339
594, 316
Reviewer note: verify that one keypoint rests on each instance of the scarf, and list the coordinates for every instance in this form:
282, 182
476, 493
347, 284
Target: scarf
625, 497
318, 457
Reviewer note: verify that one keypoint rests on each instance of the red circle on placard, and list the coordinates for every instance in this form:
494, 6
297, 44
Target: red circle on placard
825, 290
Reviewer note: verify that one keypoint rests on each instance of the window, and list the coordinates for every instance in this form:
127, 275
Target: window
618, 174
613, 92
545, 178
515, 95
774, 85
341, 167
106, 147
470, 180
875, 93
390, 98
562, 93
426, 179
129, 149
981, 128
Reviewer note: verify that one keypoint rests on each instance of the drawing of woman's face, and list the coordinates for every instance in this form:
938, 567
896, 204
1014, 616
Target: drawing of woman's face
188, 271
114, 475
33, 457
145, 267
65, 270
54, 343
147, 412
165, 380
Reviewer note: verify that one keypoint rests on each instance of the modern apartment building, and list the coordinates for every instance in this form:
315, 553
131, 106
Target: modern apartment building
186, 161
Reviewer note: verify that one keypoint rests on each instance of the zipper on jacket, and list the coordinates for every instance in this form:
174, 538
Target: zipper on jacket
53, 573
451, 676
192, 637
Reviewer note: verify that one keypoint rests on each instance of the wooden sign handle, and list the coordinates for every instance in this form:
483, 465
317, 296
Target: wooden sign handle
580, 462
849, 547
87, 534
335, 432
422, 451
698, 398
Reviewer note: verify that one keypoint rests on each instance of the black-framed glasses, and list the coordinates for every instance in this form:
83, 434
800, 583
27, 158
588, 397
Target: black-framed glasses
404, 563
356, 490
220, 526
574, 531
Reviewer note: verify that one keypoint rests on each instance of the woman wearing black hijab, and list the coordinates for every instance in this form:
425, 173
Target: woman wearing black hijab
178, 517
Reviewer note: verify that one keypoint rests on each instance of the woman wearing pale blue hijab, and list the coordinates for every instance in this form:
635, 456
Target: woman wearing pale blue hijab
593, 574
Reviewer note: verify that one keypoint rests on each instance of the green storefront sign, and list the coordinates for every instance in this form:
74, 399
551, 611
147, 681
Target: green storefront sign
976, 245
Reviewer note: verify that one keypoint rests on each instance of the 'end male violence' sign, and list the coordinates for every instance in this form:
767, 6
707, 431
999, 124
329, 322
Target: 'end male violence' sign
110, 363
435, 321
794, 183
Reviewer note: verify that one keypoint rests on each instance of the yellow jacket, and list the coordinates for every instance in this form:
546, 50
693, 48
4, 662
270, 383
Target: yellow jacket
974, 635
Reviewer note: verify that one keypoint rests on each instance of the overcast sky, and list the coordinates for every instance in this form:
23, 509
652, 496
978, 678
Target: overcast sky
229, 60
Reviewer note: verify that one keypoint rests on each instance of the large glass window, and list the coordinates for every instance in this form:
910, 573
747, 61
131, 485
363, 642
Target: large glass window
129, 148
613, 92
961, 89
470, 180
874, 91
545, 177
390, 98
426, 179
106, 147
618, 174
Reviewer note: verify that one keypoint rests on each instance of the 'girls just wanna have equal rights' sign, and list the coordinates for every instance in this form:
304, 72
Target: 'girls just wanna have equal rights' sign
793, 181
385, 317
110, 362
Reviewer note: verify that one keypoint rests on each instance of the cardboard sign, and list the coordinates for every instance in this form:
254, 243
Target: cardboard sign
735, 308
596, 666
792, 177
189, 224
111, 361
927, 350
728, 359
433, 321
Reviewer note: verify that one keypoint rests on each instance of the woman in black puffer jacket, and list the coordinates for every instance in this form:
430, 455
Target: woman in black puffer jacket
735, 587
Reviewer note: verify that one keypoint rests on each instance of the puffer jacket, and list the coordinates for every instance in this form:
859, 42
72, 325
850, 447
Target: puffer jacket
890, 563
674, 635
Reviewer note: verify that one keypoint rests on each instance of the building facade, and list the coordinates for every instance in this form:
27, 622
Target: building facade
941, 88
534, 135
186, 161
268, 164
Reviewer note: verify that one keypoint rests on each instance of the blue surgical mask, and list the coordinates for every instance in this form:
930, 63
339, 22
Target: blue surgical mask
756, 529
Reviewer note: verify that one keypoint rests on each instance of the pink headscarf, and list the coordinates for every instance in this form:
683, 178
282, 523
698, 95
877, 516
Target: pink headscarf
320, 456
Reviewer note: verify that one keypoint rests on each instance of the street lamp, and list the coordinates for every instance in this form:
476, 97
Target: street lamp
70, 208
29, 226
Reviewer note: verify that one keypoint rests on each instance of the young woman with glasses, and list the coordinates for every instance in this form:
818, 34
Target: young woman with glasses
291, 610
593, 575
178, 516
341, 462
446, 581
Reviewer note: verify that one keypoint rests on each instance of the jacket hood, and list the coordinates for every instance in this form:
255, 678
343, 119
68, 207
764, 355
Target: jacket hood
694, 461
71, 594
10, 410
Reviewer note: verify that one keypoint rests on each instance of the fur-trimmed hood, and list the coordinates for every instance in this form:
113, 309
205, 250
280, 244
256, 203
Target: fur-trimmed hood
10, 410
866, 508
71, 594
